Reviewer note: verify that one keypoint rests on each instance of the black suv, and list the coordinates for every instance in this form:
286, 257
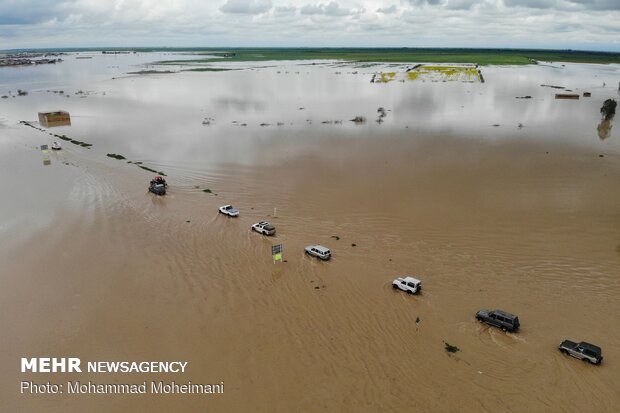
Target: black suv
498, 318
582, 351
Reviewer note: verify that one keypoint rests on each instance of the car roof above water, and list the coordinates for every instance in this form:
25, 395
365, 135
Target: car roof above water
411, 280
321, 249
505, 314
591, 347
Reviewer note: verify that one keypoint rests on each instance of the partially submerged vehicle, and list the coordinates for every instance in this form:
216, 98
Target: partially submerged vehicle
319, 251
499, 318
229, 210
582, 351
264, 228
56, 146
410, 285
158, 186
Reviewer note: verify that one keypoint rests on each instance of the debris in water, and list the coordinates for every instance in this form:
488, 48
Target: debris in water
553, 86
450, 348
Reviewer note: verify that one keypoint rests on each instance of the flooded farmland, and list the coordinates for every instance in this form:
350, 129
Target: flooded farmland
493, 200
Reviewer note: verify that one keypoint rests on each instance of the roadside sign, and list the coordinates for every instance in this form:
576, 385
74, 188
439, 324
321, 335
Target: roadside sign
276, 252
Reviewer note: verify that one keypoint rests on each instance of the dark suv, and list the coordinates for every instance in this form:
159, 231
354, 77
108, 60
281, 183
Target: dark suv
499, 318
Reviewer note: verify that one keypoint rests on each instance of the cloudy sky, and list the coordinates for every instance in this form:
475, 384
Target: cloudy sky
576, 24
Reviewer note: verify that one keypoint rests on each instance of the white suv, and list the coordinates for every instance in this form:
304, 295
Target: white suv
408, 284
318, 251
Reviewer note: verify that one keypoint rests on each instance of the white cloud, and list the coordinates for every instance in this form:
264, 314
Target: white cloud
327, 9
246, 6
575, 24
388, 10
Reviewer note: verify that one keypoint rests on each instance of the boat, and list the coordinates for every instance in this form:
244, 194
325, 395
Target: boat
158, 186
56, 146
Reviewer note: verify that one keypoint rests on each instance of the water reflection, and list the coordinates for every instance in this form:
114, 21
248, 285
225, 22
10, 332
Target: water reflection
161, 118
604, 128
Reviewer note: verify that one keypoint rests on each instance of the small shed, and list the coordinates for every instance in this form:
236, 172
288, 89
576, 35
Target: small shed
566, 96
57, 118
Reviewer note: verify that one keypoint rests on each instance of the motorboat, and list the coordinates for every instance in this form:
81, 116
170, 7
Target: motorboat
158, 186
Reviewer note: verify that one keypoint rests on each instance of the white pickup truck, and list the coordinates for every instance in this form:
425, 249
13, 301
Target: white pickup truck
264, 228
229, 210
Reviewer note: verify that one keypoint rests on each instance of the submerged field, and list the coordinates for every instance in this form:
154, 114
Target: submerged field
430, 55
443, 73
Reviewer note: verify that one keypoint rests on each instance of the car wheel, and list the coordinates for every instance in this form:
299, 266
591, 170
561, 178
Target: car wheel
394, 286
563, 350
409, 292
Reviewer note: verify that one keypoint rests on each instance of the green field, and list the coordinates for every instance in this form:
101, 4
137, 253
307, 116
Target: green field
401, 55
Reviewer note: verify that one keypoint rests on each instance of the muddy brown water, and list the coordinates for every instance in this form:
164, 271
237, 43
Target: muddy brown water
94, 267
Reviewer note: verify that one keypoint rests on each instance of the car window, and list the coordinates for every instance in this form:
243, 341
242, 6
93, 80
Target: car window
403, 283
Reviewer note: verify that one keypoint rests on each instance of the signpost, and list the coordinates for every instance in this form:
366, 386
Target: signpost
46, 157
276, 252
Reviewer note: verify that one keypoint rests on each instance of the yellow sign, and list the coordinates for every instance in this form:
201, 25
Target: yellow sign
277, 257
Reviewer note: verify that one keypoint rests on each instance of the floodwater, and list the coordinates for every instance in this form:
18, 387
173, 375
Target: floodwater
525, 219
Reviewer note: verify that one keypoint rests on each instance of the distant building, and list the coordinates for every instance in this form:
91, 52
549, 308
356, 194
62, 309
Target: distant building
58, 118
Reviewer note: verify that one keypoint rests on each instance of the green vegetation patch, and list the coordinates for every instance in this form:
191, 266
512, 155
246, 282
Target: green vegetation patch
146, 168
387, 77
150, 72
402, 55
435, 73
80, 143
207, 69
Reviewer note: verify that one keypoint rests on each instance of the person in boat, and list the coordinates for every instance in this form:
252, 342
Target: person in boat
158, 180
